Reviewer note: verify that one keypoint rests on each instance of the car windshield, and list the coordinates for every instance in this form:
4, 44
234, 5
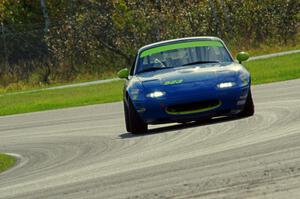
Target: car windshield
182, 54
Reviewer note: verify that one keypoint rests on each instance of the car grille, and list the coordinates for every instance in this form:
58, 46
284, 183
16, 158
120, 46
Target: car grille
195, 107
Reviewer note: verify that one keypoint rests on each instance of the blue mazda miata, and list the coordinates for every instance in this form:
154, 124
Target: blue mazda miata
184, 80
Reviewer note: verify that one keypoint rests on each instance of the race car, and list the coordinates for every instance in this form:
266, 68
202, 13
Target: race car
185, 80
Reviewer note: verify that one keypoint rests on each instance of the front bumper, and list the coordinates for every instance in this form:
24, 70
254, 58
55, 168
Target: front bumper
155, 111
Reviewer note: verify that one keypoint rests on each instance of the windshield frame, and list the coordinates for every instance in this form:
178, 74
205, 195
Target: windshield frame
165, 43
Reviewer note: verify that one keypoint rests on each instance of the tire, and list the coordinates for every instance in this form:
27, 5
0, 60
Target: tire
126, 114
248, 109
134, 124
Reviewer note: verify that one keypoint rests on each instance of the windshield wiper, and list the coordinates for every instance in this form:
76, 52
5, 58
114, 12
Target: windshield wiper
154, 68
200, 62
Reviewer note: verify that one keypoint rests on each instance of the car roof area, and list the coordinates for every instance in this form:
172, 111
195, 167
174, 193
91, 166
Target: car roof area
162, 43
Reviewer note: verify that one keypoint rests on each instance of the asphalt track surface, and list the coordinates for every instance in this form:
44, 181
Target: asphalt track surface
85, 153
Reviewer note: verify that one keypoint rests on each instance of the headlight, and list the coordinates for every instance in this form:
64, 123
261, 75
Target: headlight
156, 94
226, 85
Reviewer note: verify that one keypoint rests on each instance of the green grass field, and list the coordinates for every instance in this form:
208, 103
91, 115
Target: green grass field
263, 71
274, 69
53, 99
6, 162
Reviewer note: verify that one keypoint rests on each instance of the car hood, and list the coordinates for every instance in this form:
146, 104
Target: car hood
208, 73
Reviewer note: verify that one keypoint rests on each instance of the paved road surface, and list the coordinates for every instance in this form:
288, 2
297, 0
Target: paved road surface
85, 153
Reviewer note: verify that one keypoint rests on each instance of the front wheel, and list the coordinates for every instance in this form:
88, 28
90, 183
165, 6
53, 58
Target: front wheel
248, 109
127, 119
134, 123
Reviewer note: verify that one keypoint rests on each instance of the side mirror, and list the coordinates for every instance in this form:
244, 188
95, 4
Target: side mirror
242, 56
123, 74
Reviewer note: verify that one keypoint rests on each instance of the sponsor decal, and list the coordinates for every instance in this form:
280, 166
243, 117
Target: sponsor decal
179, 45
177, 81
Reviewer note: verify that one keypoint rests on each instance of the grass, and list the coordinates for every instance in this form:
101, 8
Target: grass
268, 47
80, 78
6, 162
263, 71
264, 49
274, 69
62, 98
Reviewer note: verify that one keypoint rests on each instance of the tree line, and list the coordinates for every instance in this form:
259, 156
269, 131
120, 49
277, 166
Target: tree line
46, 41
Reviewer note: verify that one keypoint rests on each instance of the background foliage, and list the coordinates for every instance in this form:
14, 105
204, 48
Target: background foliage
92, 37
